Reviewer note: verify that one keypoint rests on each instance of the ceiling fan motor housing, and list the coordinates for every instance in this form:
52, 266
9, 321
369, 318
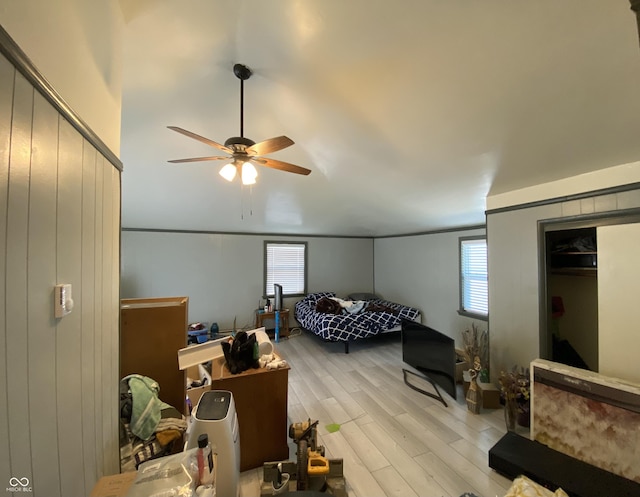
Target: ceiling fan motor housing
239, 143
242, 72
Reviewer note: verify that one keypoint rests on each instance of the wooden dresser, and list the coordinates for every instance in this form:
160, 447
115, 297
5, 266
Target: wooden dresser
260, 396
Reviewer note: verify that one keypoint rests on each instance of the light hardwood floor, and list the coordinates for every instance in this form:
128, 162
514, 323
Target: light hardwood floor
394, 441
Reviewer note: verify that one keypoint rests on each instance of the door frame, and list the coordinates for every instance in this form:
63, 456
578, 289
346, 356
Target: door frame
595, 220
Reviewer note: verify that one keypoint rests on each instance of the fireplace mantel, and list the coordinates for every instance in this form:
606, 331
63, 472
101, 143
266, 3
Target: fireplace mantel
585, 433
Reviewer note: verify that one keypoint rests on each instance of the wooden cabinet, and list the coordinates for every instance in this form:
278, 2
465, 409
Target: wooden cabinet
151, 333
260, 396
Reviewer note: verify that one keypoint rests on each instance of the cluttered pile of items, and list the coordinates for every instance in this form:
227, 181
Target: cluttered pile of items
208, 463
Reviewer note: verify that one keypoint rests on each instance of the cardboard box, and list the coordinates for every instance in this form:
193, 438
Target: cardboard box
490, 395
114, 485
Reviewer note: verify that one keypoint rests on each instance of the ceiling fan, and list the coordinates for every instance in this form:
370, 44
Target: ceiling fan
244, 151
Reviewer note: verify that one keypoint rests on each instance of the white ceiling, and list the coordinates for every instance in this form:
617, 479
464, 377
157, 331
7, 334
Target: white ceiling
408, 112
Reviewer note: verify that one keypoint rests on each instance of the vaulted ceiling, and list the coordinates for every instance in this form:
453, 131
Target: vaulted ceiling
409, 112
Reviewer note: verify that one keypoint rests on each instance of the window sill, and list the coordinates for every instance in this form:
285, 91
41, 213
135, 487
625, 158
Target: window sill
474, 315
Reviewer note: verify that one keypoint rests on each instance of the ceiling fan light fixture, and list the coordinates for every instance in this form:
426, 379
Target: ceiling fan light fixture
244, 150
228, 172
249, 174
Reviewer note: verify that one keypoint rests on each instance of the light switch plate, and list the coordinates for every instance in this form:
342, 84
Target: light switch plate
63, 303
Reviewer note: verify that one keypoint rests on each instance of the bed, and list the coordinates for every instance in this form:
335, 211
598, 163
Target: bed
363, 316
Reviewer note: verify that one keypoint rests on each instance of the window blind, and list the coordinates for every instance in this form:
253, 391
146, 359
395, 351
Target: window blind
473, 275
285, 265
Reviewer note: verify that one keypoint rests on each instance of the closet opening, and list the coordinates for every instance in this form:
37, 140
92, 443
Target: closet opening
570, 286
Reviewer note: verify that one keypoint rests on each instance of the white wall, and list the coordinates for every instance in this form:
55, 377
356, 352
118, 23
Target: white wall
618, 277
77, 46
423, 271
603, 178
512, 237
222, 274
512, 244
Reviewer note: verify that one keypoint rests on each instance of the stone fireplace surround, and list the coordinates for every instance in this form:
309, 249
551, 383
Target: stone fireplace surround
585, 434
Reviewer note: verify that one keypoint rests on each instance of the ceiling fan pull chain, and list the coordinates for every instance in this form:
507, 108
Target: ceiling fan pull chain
242, 195
241, 201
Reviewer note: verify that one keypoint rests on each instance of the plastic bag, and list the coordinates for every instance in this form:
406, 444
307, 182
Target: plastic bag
524, 487
170, 476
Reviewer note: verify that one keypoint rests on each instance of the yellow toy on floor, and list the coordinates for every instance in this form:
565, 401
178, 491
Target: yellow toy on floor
312, 471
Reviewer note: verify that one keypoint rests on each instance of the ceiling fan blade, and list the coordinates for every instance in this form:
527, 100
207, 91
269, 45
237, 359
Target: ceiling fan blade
271, 145
201, 139
201, 159
283, 166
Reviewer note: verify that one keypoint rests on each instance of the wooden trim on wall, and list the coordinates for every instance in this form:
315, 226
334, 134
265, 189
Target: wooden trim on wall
10, 49
436, 232
240, 233
292, 235
566, 198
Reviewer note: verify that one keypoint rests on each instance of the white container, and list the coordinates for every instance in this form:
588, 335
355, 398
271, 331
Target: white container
216, 416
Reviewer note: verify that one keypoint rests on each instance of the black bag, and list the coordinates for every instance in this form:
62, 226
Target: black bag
242, 353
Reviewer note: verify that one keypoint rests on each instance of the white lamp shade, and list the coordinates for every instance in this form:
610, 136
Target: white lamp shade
228, 172
249, 174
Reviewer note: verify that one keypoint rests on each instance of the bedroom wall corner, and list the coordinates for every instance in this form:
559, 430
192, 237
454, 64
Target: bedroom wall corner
222, 273
422, 271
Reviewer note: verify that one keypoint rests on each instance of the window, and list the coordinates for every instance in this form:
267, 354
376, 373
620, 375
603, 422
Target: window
474, 293
285, 263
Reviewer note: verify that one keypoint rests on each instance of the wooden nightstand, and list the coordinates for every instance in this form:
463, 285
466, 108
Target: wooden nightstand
262, 316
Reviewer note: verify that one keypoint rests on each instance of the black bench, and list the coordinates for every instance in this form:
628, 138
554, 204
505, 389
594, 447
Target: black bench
515, 455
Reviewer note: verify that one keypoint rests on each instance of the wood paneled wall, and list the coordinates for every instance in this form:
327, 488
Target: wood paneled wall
59, 223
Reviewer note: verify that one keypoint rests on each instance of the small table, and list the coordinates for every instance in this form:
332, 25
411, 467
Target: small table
262, 315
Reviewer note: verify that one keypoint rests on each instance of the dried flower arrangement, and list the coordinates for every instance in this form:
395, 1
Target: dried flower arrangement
476, 348
514, 385
514, 389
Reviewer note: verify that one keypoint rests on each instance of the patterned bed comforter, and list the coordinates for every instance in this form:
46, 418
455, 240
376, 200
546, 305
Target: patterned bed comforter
346, 327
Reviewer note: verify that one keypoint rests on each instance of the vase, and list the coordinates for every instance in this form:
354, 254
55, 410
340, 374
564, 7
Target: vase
510, 414
524, 414
473, 394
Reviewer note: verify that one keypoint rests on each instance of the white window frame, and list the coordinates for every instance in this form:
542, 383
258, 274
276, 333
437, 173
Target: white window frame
474, 280
293, 285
